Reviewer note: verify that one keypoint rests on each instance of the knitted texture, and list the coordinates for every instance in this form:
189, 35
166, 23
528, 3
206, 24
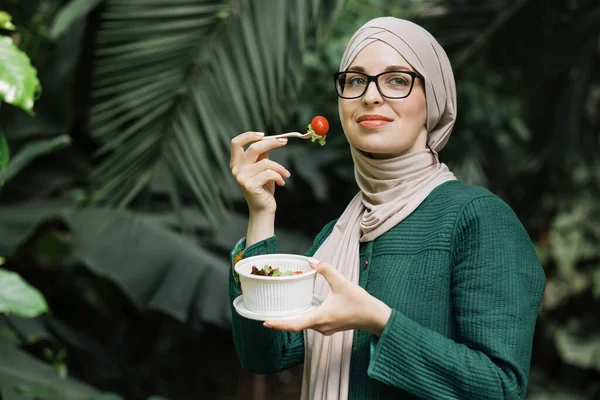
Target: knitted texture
464, 284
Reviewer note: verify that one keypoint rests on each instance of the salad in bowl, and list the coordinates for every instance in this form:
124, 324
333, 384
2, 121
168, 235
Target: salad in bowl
276, 284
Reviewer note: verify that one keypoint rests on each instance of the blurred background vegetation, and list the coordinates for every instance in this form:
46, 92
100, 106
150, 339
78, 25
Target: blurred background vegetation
118, 211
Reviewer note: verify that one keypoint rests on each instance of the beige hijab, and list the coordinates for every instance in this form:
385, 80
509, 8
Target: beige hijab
390, 190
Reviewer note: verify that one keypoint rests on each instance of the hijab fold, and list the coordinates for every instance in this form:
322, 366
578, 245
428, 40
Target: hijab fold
390, 190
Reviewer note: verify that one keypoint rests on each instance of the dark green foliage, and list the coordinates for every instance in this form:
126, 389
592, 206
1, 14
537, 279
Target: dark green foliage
148, 317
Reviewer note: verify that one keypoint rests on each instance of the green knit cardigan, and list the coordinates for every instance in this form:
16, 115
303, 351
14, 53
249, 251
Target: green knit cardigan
465, 285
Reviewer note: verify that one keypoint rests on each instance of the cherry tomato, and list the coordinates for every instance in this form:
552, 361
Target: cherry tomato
298, 273
320, 125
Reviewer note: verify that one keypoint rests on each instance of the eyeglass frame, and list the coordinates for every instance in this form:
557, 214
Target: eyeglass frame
375, 78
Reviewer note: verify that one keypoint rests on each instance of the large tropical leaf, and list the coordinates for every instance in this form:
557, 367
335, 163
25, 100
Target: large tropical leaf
19, 84
153, 266
69, 14
176, 81
123, 269
20, 330
58, 60
31, 151
19, 298
22, 377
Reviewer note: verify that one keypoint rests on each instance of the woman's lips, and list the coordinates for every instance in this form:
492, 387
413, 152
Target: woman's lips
373, 120
373, 123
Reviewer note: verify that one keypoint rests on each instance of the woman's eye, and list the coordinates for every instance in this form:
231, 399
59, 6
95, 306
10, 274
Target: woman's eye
398, 81
356, 81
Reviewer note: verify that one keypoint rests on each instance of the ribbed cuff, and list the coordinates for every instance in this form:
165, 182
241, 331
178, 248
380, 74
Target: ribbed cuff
389, 353
267, 246
236, 255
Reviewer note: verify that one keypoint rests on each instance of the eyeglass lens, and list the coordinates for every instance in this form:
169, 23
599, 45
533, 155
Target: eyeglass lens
391, 84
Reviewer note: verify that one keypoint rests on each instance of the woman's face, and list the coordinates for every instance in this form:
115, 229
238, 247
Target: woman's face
378, 125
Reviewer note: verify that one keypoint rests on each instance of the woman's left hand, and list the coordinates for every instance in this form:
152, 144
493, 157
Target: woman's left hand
348, 306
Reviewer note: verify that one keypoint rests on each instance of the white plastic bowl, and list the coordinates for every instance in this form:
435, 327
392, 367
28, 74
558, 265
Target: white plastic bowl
277, 295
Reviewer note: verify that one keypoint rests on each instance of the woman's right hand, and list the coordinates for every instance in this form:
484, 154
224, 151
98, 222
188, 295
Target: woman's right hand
255, 173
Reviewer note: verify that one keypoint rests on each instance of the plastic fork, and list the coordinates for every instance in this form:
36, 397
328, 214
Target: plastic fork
289, 135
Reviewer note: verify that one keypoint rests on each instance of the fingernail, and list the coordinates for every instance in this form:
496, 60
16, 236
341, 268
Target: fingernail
288, 173
282, 140
266, 325
261, 134
313, 261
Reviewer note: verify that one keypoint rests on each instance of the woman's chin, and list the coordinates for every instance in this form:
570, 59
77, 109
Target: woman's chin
377, 153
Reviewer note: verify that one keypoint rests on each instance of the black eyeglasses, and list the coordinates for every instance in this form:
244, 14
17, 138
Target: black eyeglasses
391, 84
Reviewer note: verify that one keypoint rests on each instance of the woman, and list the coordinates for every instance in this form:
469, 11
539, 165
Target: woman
432, 286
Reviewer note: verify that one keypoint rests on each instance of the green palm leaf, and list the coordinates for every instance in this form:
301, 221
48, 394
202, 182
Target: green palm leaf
176, 80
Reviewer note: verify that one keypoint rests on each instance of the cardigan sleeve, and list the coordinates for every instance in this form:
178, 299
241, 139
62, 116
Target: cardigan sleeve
263, 350
497, 286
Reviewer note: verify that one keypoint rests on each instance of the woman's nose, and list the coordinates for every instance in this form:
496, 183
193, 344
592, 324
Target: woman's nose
372, 95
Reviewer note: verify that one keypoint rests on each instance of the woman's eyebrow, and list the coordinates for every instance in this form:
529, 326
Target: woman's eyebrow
390, 68
397, 68
356, 69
